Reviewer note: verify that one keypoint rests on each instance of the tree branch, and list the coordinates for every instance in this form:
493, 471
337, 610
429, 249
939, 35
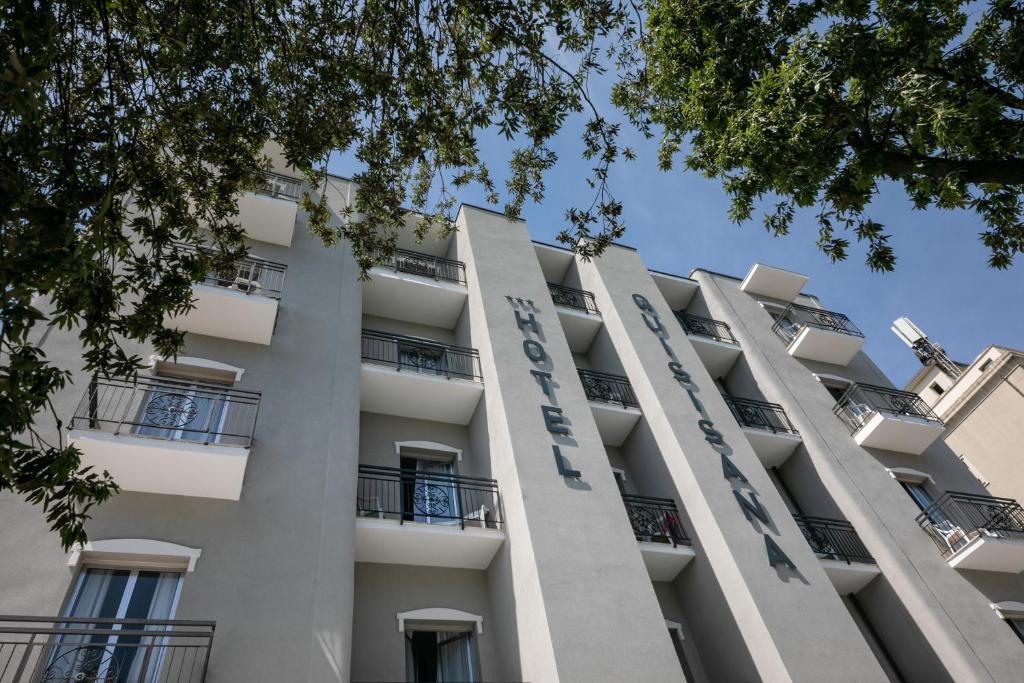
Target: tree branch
974, 171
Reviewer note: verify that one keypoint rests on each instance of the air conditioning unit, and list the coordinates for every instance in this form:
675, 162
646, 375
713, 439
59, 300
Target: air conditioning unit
242, 284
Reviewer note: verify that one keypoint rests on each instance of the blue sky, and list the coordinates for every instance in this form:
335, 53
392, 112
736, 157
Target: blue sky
678, 221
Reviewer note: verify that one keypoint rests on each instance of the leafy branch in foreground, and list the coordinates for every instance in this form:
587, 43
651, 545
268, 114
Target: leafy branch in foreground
814, 102
129, 128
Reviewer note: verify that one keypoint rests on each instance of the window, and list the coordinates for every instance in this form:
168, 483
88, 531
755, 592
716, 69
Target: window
1018, 627
102, 593
918, 493
675, 633
437, 656
429, 493
937, 389
986, 365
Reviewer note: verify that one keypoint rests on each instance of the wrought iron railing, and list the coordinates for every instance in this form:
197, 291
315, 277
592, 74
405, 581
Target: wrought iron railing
421, 355
163, 408
796, 317
862, 401
655, 519
760, 414
415, 263
706, 327
285, 187
571, 297
409, 495
249, 275
605, 388
833, 539
956, 519
66, 649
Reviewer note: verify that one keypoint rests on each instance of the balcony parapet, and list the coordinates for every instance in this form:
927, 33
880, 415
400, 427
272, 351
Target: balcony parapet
413, 354
408, 495
796, 317
706, 327
169, 409
248, 275
424, 265
760, 415
880, 417
35, 648
977, 531
833, 539
655, 519
281, 187
570, 297
605, 388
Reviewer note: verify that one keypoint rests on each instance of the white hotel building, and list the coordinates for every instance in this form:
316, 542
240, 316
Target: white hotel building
493, 461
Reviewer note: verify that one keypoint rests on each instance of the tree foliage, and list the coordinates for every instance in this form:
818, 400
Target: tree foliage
129, 127
811, 103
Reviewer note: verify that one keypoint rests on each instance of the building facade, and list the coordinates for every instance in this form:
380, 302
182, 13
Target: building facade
982, 406
492, 461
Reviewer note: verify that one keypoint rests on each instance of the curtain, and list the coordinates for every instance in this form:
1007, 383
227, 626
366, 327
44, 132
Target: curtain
153, 598
455, 657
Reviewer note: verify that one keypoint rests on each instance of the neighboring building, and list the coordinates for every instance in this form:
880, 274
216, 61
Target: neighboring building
493, 461
982, 406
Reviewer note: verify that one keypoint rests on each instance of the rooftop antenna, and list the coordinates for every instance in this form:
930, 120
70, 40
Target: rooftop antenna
927, 352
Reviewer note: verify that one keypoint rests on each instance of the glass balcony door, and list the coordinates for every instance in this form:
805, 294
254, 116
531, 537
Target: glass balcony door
431, 496
439, 656
114, 594
186, 414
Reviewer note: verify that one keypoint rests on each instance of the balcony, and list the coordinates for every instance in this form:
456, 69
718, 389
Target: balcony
879, 417
977, 532
420, 378
416, 287
774, 283
268, 215
159, 435
665, 547
846, 561
819, 335
35, 649
713, 342
427, 519
767, 427
577, 311
239, 304
613, 404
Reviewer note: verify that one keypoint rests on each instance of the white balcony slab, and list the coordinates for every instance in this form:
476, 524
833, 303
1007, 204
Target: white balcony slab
772, 448
413, 298
900, 433
175, 467
849, 577
990, 553
718, 356
825, 346
772, 282
267, 219
388, 541
664, 561
228, 314
407, 393
614, 422
579, 326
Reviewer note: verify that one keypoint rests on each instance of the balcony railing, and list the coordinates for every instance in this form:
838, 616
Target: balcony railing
410, 495
42, 649
760, 415
955, 519
421, 355
282, 186
571, 297
862, 401
796, 317
706, 327
655, 519
249, 275
415, 263
162, 408
605, 388
833, 539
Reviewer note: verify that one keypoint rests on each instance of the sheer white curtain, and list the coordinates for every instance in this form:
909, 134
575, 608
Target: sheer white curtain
436, 498
455, 657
